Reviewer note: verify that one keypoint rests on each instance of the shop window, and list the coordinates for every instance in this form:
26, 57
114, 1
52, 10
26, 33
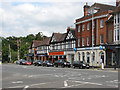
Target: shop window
83, 56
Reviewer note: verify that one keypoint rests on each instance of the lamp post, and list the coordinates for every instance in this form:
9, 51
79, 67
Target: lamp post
92, 36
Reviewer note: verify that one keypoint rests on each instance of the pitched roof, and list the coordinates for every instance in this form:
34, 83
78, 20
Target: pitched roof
36, 43
58, 36
102, 8
62, 36
117, 9
46, 41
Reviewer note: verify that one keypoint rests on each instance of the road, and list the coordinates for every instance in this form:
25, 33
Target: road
25, 77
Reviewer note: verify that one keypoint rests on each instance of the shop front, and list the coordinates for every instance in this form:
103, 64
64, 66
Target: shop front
112, 55
54, 56
43, 57
91, 55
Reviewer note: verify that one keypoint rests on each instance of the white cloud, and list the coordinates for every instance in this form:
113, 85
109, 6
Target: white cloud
28, 18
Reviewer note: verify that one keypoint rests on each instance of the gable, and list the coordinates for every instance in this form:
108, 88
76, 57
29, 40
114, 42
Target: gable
70, 35
53, 39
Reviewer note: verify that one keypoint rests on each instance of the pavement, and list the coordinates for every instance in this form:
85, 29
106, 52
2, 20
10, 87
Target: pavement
27, 77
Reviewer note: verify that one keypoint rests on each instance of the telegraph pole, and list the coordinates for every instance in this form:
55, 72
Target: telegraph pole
10, 53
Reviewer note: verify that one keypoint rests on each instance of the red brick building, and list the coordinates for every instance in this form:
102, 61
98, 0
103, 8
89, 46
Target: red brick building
92, 33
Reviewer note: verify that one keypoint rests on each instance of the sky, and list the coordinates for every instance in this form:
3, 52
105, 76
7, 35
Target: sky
23, 17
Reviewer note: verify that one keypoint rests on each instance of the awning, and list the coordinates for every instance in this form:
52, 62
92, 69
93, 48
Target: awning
41, 55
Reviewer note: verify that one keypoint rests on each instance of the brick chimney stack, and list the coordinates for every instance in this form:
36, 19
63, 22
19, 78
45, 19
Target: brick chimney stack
85, 9
117, 3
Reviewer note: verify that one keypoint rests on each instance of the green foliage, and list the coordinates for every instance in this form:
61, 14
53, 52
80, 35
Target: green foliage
25, 42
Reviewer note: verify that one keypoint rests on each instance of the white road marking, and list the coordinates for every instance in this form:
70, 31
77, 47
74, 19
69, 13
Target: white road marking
89, 78
87, 82
17, 82
25, 87
83, 79
65, 83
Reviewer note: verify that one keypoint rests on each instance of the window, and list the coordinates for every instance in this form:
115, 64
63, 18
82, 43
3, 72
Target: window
87, 41
83, 41
88, 26
78, 42
101, 38
101, 23
78, 28
83, 56
83, 27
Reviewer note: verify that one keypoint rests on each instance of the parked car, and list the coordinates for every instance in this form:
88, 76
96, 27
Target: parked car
28, 62
80, 64
37, 63
48, 63
22, 62
63, 63
18, 62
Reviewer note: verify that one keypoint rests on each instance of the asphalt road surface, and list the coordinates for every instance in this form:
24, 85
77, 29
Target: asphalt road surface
25, 77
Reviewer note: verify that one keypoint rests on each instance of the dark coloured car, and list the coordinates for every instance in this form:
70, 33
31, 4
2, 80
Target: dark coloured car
80, 64
48, 63
63, 63
37, 63
22, 62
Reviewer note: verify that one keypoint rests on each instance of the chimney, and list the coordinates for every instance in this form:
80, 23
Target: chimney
68, 28
117, 3
85, 9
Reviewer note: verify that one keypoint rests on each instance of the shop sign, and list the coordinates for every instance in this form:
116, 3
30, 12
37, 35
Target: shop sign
56, 53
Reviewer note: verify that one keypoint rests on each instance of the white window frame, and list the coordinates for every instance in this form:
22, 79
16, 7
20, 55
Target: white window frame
83, 41
101, 23
83, 27
88, 26
78, 42
88, 41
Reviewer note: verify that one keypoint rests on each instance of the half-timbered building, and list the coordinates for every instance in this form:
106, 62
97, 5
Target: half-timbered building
62, 45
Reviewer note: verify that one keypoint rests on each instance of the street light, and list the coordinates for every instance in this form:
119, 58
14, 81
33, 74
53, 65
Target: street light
95, 8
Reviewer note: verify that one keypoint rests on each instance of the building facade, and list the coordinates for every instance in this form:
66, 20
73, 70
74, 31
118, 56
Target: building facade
91, 32
62, 46
43, 49
32, 50
113, 44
